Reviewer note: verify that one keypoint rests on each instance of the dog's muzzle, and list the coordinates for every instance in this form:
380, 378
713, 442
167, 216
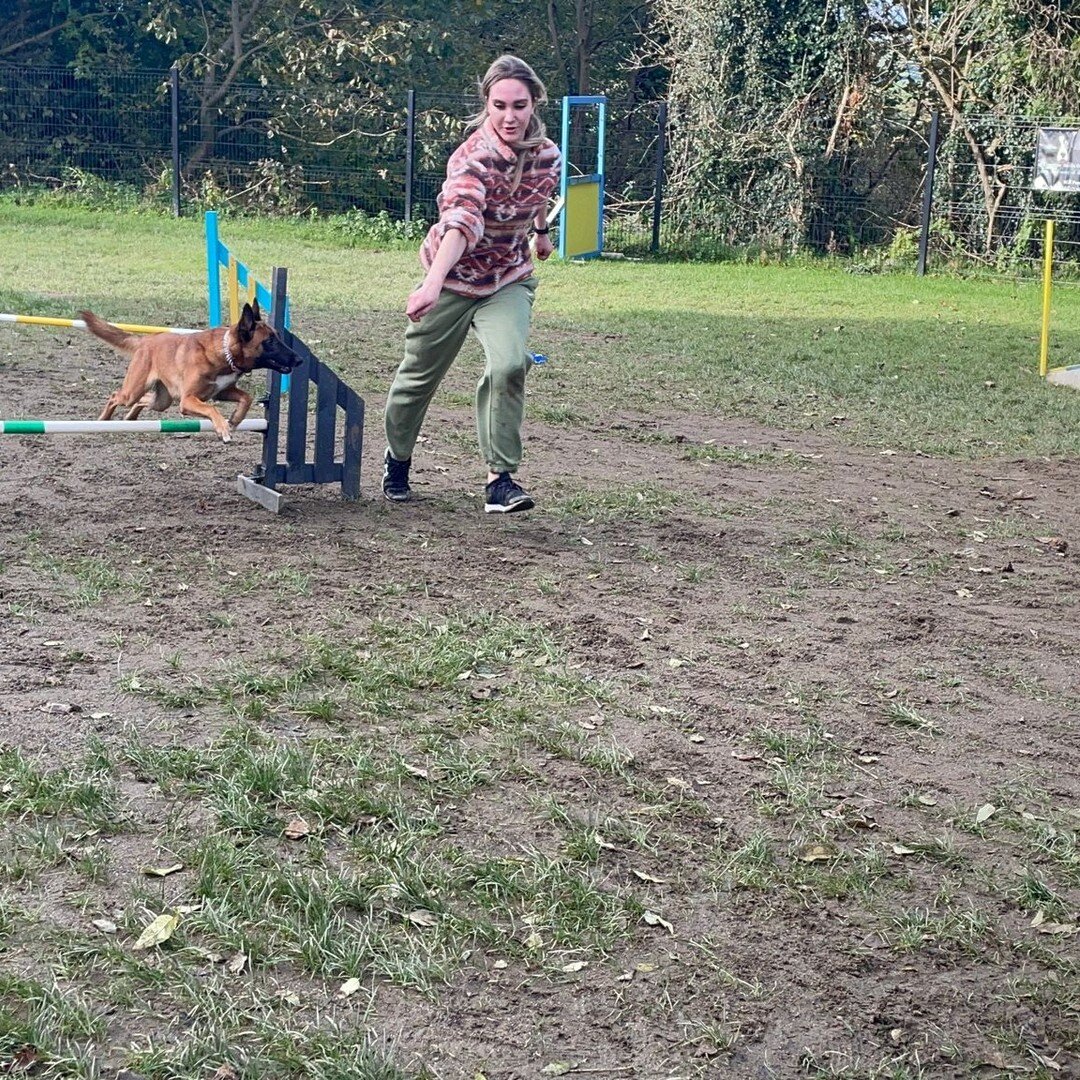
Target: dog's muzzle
278, 357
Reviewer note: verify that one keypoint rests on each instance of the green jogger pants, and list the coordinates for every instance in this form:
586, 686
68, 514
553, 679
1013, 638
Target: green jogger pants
501, 322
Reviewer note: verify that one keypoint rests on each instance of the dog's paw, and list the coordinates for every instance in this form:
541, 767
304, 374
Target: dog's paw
226, 437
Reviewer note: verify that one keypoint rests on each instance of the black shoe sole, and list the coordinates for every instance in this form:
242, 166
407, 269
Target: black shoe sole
513, 508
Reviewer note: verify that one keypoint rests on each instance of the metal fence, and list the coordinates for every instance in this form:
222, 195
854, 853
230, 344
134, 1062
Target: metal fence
336, 151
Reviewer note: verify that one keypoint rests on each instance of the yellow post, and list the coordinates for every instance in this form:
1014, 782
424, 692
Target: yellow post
234, 290
1048, 278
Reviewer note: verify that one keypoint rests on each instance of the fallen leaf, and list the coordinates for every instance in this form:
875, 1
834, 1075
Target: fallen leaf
986, 811
899, 849
676, 782
1056, 542
420, 917
238, 963
1064, 929
207, 954
348, 988
642, 876
644, 967
414, 770
650, 918
927, 800
534, 941
817, 853
1042, 1059
162, 871
556, 1068
225, 1072
574, 965
297, 829
58, 707
25, 1058
106, 926
695, 738
159, 931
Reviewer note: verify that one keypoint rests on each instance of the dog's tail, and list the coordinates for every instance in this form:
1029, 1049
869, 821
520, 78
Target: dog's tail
117, 338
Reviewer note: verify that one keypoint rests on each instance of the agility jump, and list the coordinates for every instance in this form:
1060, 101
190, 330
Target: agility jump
117, 427
321, 466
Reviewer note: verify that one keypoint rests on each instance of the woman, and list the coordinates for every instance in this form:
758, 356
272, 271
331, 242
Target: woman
479, 275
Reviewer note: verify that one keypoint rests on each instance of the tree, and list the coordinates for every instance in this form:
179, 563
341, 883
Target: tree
84, 34
987, 62
771, 103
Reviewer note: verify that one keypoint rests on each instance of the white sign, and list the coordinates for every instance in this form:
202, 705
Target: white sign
1057, 160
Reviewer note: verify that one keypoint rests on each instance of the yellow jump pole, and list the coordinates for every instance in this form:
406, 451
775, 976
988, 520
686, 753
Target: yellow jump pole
1048, 282
234, 290
78, 324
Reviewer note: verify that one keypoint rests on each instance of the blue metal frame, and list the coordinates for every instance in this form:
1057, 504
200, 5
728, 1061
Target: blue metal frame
596, 177
217, 256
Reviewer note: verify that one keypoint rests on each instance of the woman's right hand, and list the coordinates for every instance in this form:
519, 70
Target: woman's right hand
422, 300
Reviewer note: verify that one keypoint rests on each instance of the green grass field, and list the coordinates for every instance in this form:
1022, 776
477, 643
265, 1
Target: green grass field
938, 365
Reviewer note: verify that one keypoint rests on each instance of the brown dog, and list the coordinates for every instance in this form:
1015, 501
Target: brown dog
193, 369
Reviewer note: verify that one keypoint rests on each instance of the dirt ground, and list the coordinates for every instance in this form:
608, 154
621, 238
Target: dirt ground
922, 613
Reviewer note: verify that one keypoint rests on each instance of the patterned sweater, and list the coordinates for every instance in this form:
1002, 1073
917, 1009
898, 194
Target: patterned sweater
476, 200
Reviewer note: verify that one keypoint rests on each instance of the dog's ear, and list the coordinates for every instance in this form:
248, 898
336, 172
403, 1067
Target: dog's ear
246, 326
255, 309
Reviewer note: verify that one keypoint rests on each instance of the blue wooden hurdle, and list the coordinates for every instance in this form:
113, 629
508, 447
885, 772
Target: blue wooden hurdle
324, 467
331, 394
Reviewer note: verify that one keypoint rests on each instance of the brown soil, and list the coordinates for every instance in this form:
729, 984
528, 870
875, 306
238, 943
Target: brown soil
824, 581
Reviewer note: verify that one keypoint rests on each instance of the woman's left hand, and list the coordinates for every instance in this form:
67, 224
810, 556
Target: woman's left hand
544, 246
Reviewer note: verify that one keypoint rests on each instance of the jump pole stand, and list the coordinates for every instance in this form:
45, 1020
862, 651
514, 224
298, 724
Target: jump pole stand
1069, 374
255, 487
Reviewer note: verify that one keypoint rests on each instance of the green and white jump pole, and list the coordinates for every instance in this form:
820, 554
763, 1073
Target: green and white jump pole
118, 427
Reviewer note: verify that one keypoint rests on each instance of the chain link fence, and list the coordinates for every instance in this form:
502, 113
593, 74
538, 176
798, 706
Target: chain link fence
266, 149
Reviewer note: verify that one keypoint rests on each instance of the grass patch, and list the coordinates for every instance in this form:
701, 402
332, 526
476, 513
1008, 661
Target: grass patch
638, 503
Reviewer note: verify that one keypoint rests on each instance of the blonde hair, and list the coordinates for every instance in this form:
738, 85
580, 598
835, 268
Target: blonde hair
512, 67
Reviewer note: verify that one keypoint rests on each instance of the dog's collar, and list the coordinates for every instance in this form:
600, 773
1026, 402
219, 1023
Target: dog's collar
229, 353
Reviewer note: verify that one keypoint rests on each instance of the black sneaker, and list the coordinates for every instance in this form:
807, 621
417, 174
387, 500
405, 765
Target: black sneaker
503, 496
395, 480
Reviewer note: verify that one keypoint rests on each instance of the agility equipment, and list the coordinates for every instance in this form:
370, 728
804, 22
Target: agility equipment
290, 453
581, 185
1068, 375
117, 427
79, 324
237, 275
